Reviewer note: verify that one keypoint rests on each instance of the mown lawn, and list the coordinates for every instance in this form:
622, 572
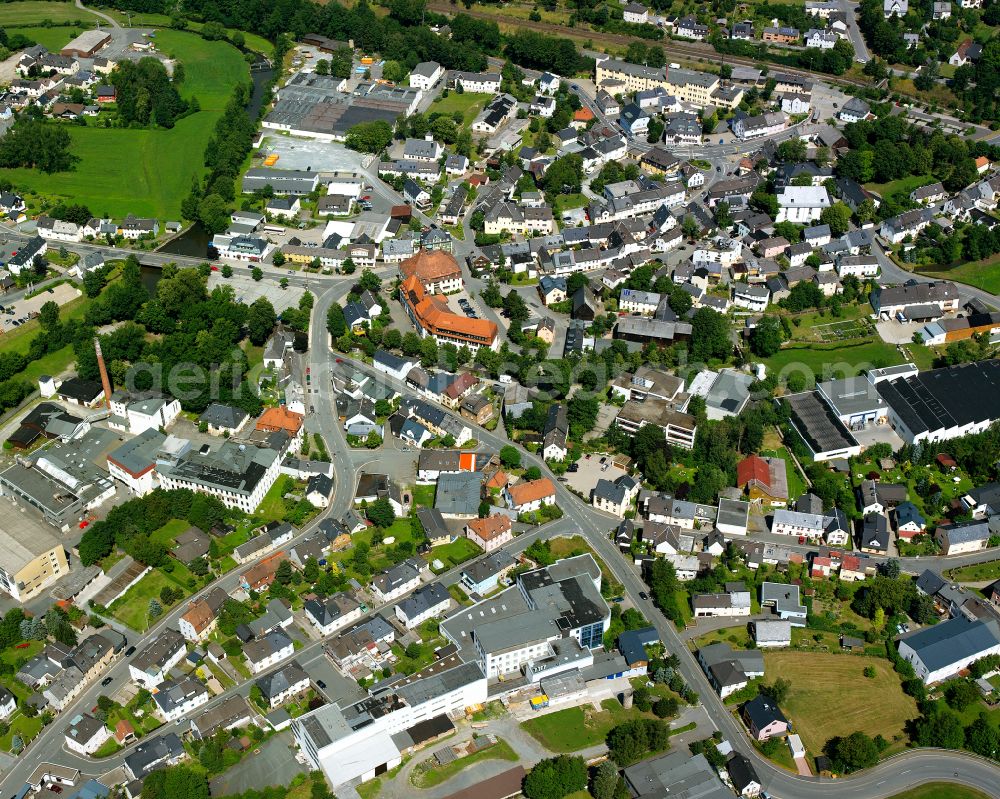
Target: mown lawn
23, 726
13, 654
53, 39
821, 682
151, 170
578, 727
827, 364
423, 496
976, 573
468, 103
904, 185
133, 608
982, 274
167, 534
941, 790
54, 363
34, 12
458, 551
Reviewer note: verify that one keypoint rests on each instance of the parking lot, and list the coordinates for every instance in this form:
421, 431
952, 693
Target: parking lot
590, 470
248, 290
15, 314
318, 156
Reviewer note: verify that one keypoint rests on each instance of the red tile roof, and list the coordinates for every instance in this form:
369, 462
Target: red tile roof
753, 467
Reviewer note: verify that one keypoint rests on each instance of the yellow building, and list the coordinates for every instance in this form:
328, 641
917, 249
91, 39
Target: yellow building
31, 556
692, 87
636, 77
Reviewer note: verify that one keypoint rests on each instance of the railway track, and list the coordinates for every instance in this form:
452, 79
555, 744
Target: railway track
690, 50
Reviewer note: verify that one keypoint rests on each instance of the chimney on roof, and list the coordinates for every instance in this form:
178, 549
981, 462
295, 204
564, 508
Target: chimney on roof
105, 380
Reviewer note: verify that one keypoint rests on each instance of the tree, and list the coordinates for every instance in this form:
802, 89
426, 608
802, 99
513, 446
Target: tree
723, 215
959, 694
710, 335
565, 175
605, 781
556, 777
278, 258
778, 690
940, 728
792, 151
257, 274
48, 315
510, 456
380, 513
335, 322
227, 271
261, 319
370, 281
982, 737
581, 412
766, 202
838, 217
283, 574
690, 227
369, 137
766, 337
213, 213
155, 610
680, 301
878, 620
856, 751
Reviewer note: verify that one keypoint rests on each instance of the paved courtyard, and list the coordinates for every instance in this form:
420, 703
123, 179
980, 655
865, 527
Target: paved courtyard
590, 472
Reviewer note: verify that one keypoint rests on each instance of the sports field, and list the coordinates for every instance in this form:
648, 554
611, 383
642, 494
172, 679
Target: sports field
830, 696
148, 172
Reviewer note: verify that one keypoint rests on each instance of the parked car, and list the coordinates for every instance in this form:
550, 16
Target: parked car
130, 651
107, 681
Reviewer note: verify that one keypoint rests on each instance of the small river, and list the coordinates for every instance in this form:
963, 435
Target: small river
194, 241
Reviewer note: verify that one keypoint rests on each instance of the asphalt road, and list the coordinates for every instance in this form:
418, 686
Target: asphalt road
885, 780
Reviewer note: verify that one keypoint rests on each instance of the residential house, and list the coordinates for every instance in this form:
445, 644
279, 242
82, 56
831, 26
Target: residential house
529, 496
490, 533
427, 602
764, 718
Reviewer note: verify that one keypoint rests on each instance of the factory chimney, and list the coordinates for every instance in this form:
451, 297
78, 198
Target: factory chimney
105, 380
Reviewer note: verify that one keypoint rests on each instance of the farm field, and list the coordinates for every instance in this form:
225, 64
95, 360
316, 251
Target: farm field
819, 683
152, 169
